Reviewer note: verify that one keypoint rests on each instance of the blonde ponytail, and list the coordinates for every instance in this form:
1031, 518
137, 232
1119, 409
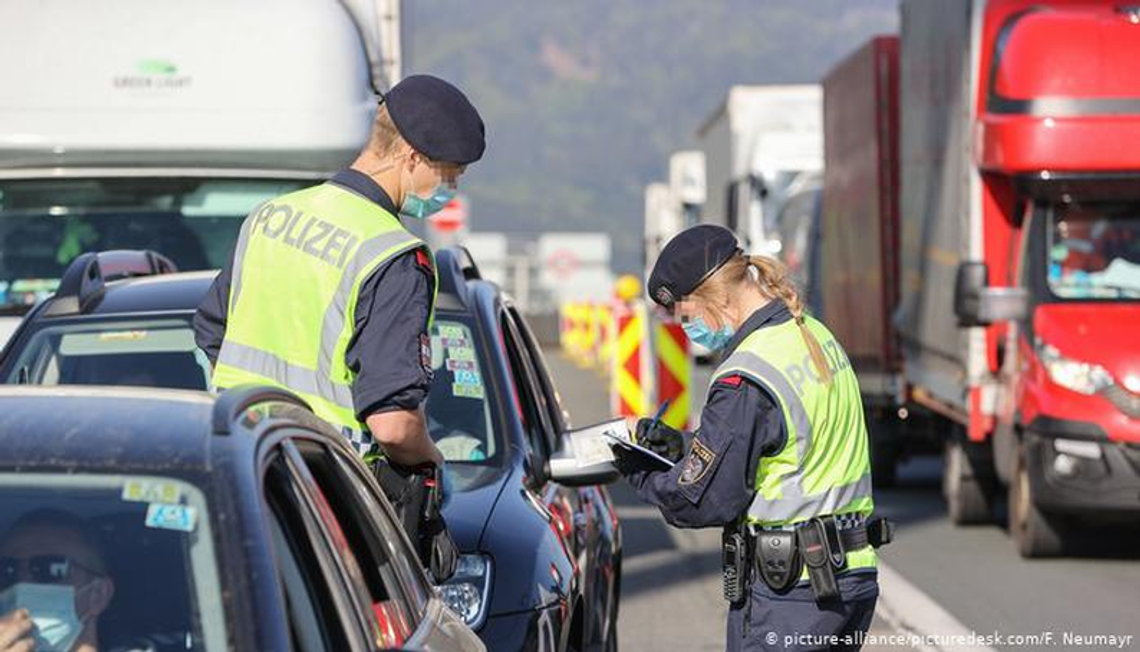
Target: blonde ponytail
775, 282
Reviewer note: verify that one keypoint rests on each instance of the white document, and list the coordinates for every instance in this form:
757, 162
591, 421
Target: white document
592, 444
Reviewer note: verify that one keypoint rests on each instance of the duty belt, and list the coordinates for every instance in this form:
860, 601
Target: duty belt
821, 544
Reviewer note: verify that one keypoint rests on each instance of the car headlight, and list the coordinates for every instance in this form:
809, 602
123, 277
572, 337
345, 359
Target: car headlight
1081, 377
466, 592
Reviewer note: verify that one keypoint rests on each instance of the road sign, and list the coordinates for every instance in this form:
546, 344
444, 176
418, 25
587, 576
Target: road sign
562, 263
452, 218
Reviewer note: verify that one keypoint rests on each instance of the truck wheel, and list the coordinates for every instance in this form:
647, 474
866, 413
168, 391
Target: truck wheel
1036, 533
968, 488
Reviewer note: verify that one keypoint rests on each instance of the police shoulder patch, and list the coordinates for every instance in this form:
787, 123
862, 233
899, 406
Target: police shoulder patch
697, 463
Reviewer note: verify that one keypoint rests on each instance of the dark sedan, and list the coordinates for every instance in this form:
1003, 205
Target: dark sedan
145, 519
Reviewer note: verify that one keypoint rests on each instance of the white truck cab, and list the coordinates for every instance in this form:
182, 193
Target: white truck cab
138, 124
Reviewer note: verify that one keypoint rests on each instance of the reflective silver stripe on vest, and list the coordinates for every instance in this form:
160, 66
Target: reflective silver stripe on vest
793, 505
239, 255
333, 324
767, 375
295, 377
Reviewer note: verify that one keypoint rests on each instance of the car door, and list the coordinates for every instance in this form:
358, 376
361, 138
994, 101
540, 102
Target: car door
400, 602
318, 605
592, 514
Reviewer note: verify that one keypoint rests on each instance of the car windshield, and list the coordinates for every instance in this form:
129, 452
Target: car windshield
46, 223
1094, 251
162, 353
131, 556
458, 407
142, 353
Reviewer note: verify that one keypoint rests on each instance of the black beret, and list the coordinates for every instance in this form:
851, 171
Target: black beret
436, 119
688, 259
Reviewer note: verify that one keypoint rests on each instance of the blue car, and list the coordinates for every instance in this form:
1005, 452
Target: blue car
541, 549
541, 568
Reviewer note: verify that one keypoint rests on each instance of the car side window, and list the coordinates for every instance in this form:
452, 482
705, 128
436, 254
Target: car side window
314, 624
535, 418
404, 560
552, 400
371, 556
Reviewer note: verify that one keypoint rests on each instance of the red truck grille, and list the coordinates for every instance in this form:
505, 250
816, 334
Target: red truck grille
1124, 400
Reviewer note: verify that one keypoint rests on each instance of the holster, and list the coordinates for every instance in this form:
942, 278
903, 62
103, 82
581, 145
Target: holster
823, 553
778, 559
415, 495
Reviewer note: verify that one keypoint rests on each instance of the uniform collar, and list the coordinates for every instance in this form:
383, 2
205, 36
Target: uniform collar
363, 185
773, 313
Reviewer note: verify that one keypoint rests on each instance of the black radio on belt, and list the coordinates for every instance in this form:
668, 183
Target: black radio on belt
736, 561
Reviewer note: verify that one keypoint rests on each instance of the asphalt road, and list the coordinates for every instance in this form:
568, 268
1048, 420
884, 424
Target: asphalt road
671, 579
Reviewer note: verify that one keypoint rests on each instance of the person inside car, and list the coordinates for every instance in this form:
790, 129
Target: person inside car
54, 584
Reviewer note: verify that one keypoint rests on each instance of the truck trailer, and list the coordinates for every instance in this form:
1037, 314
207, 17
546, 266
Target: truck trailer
1016, 286
125, 126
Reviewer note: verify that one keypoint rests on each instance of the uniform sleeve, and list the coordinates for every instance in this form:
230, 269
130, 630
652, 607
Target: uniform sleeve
714, 483
210, 318
390, 351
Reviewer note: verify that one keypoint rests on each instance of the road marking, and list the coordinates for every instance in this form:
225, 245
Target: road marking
908, 610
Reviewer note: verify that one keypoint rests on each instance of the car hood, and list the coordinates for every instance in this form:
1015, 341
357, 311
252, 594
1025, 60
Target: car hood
477, 489
1101, 333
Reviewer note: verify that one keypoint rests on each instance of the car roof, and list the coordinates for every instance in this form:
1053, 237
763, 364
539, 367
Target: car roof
165, 292
104, 429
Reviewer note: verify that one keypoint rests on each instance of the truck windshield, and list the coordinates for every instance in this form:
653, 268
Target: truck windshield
1093, 250
46, 223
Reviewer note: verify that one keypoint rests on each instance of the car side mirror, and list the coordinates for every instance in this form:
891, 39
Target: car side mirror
978, 304
566, 470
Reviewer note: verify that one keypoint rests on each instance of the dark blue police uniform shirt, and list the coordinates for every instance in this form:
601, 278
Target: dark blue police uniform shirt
391, 321
740, 423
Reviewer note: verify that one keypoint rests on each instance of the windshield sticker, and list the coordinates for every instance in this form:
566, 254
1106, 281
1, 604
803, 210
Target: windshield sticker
181, 518
466, 354
460, 365
467, 391
451, 332
149, 491
122, 336
462, 377
455, 343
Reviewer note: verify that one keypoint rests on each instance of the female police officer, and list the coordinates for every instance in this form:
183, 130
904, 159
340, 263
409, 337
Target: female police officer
780, 458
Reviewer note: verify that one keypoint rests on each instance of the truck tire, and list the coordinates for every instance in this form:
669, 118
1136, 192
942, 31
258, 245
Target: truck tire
1036, 533
967, 484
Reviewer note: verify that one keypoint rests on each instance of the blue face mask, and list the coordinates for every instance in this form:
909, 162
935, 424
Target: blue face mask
698, 331
52, 609
418, 208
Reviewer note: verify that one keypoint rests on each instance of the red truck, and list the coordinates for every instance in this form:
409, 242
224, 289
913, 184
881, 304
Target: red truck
981, 253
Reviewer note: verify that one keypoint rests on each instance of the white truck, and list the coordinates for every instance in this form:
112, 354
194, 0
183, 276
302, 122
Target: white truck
760, 140
675, 205
143, 125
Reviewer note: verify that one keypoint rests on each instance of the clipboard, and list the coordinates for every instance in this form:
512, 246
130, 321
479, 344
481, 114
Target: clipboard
651, 460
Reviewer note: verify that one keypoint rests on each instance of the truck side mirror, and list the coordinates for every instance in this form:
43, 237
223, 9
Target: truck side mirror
978, 304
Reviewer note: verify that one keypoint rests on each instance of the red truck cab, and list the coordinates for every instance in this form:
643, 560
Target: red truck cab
1057, 147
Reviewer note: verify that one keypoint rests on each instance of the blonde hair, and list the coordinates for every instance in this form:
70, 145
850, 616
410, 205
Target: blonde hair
385, 138
771, 278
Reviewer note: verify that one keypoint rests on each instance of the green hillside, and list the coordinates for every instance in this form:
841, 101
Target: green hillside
584, 100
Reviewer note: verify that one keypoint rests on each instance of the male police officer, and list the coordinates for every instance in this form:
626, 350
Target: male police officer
331, 297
